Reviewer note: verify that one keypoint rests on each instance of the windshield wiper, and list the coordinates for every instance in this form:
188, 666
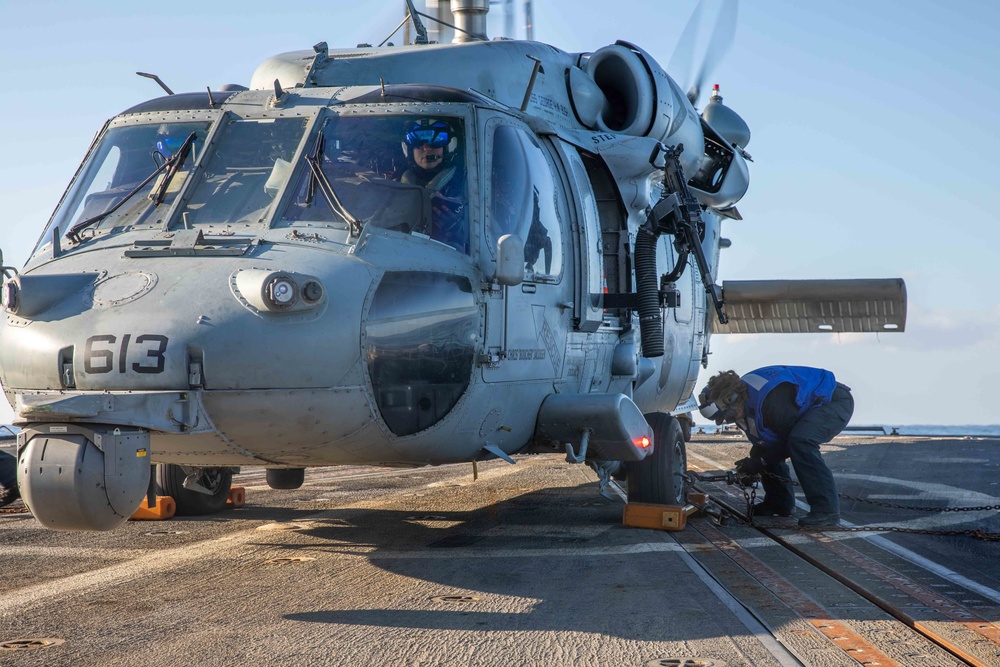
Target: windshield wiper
174, 163
314, 160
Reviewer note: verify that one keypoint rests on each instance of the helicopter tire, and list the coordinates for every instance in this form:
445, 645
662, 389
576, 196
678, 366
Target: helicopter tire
285, 478
658, 478
170, 482
8, 479
686, 425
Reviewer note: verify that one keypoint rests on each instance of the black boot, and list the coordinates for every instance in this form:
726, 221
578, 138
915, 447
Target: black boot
820, 520
764, 508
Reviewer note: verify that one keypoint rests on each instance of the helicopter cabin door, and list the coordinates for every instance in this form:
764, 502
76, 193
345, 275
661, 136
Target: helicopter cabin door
526, 324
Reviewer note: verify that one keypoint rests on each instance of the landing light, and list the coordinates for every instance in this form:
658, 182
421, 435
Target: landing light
282, 292
277, 292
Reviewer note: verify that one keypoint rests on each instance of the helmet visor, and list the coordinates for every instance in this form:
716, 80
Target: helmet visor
169, 145
435, 136
710, 411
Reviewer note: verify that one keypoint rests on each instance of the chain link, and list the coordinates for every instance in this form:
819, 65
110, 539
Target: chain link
882, 503
975, 533
750, 494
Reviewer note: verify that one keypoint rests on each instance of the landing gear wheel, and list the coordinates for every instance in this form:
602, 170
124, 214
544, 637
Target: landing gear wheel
686, 425
285, 478
659, 478
170, 482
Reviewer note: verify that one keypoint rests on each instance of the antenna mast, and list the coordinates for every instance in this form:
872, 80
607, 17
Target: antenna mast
418, 25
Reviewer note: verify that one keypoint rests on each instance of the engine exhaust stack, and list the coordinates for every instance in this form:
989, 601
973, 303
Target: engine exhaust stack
470, 17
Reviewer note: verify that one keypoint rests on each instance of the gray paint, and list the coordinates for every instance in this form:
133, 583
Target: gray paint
189, 350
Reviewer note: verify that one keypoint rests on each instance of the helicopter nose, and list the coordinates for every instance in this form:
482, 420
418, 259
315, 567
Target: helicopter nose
183, 323
396, 346
297, 328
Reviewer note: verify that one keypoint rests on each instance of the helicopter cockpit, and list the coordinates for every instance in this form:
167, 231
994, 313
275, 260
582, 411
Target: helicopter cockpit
396, 170
354, 171
369, 170
243, 174
133, 176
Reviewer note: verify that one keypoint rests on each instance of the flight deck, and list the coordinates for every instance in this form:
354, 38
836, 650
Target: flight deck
528, 565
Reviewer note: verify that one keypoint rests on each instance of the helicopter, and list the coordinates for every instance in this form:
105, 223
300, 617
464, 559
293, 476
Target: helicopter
441, 252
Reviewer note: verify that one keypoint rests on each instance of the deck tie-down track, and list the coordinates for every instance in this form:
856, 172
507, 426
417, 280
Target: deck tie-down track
812, 614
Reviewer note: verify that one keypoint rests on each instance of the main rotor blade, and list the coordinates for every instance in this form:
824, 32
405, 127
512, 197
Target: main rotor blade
719, 43
680, 62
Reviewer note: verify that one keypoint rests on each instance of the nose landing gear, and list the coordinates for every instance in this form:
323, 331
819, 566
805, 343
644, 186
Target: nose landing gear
196, 491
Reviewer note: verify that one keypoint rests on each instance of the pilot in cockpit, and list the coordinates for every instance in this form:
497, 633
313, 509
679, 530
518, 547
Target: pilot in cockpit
431, 148
166, 145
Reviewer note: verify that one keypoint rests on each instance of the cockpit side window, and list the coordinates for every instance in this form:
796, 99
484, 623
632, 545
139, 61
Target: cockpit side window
523, 200
403, 173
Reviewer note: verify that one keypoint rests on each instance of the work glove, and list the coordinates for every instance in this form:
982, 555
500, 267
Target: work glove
749, 466
748, 470
448, 223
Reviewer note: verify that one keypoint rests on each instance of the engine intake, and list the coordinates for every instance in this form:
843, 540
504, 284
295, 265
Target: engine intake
643, 101
638, 98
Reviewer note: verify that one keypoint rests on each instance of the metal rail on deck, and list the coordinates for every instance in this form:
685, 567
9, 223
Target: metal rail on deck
955, 613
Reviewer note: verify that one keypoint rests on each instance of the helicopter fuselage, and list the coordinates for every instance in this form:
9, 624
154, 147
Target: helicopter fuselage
259, 277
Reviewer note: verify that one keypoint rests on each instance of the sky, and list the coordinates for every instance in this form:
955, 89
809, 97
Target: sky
874, 139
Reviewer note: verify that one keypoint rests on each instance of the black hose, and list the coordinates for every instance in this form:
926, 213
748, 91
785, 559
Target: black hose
648, 291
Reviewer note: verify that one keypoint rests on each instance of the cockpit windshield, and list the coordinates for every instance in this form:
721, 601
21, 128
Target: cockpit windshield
404, 173
244, 173
125, 158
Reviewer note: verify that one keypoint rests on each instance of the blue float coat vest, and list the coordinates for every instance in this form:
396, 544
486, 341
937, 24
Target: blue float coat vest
814, 386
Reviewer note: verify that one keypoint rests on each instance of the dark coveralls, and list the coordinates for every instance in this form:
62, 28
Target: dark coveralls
796, 432
448, 221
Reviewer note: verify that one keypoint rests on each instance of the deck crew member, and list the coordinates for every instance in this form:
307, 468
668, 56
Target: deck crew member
786, 412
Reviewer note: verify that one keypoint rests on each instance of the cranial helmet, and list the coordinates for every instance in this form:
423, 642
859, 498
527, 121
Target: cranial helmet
430, 131
720, 411
165, 144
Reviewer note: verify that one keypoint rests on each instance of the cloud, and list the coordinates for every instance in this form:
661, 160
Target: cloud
940, 370
948, 329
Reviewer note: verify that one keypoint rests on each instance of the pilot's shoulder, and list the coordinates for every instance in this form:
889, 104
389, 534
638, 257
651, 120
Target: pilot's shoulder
442, 179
